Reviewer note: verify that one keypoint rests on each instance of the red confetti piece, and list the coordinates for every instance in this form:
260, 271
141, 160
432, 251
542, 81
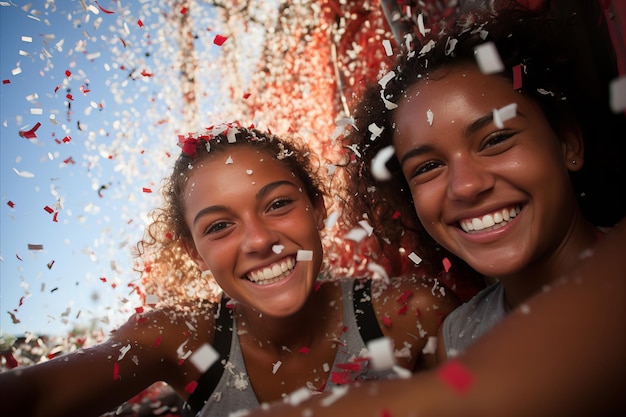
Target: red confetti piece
246, 95
18, 257
10, 204
116, 371
103, 279
304, 350
139, 310
141, 320
191, 387
48, 209
219, 40
387, 321
146, 190
140, 23
446, 264
146, 73
385, 413
30, 134
68, 73
10, 360
103, 9
354, 367
21, 301
340, 378
157, 342
55, 217
517, 77
69, 97
57, 88
122, 40
168, 235
396, 215
183, 10
405, 296
456, 375
67, 139
419, 312
402, 310
6, 81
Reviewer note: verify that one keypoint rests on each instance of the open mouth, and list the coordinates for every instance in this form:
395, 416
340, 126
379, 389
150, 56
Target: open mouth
490, 221
272, 273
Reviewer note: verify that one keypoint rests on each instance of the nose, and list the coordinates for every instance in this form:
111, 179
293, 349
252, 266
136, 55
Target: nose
468, 178
258, 236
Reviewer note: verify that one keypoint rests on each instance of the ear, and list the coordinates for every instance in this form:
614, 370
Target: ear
195, 256
572, 145
320, 212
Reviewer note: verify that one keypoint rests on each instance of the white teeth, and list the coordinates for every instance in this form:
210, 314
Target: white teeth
497, 219
272, 273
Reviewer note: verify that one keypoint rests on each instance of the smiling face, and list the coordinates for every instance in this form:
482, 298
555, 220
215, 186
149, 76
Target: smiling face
249, 218
498, 197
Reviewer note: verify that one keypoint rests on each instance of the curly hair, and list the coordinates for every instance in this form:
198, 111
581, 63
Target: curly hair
166, 268
531, 46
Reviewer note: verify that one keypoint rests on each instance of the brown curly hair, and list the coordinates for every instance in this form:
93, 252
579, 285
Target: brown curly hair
166, 268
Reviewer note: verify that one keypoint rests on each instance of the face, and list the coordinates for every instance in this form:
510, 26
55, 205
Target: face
498, 197
249, 217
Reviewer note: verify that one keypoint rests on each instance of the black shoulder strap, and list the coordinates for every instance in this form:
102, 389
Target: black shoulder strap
221, 343
364, 311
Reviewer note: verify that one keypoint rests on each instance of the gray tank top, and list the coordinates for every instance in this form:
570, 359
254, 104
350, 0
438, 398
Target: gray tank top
468, 322
234, 391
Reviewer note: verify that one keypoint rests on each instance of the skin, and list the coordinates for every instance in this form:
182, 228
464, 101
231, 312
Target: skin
237, 214
464, 166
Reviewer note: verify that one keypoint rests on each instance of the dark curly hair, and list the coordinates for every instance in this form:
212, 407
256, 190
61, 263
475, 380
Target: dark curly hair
532, 45
165, 265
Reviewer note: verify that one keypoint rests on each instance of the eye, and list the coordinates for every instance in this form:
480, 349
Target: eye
496, 139
216, 227
424, 168
279, 203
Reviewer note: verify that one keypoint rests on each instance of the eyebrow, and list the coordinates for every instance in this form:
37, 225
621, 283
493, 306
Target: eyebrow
259, 195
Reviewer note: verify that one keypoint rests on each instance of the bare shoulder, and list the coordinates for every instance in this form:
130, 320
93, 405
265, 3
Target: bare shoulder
410, 310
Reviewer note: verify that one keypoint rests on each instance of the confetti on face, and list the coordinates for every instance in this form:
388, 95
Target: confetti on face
431, 346
488, 58
429, 117
277, 249
204, 357
381, 353
379, 170
503, 114
304, 255
446, 264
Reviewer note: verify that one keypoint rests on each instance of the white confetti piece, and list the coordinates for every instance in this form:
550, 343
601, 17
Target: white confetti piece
503, 114
357, 234
278, 249
378, 272
304, 255
27, 39
488, 58
335, 394
415, 258
36, 111
374, 130
386, 78
420, 25
402, 372
151, 299
204, 357
381, 353
379, 170
331, 220
387, 46
430, 117
389, 105
276, 366
298, 396
229, 160
431, 346
123, 351
249, 171
24, 174
368, 228
617, 90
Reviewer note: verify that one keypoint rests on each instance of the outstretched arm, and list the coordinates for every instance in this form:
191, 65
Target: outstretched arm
560, 354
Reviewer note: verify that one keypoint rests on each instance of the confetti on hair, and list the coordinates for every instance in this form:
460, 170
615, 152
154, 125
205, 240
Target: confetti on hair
617, 90
387, 47
450, 45
331, 220
503, 114
375, 131
415, 258
456, 375
304, 255
381, 353
204, 357
488, 58
386, 78
379, 170
517, 77
426, 48
357, 234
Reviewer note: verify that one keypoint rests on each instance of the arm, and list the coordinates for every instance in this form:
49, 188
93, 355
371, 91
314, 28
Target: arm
561, 354
95, 380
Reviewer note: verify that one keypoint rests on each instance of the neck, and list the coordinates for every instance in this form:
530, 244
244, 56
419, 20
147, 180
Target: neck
547, 270
318, 318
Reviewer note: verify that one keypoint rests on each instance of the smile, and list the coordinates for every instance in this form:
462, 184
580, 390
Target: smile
489, 221
272, 273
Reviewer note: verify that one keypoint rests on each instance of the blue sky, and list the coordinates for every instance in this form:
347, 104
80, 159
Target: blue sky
119, 140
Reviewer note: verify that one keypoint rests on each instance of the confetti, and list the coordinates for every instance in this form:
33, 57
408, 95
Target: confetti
379, 170
503, 114
204, 357
381, 353
617, 90
429, 117
488, 59
30, 134
415, 258
517, 77
456, 376
191, 387
446, 264
357, 234
304, 255
219, 40
103, 9
276, 366
278, 248
431, 345
34, 246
